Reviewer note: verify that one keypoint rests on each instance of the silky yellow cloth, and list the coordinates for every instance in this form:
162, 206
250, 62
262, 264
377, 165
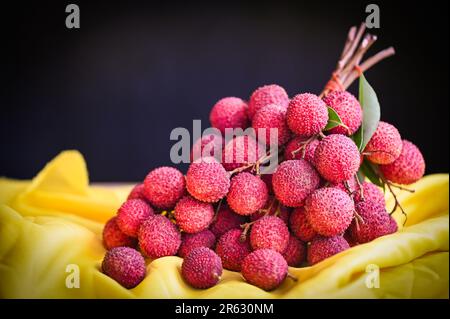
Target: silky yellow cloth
56, 220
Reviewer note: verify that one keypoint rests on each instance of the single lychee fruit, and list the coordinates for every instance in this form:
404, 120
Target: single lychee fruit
201, 268
272, 208
114, 237
226, 220
232, 249
248, 193
408, 168
193, 216
322, 248
240, 151
295, 252
272, 117
393, 227
329, 211
264, 268
131, 215
269, 232
207, 182
307, 114
385, 145
159, 237
204, 238
337, 158
125, 265
164, 186
229, 112
209, 145
293, 181
137, 192
349, 110
300, 226
265, 95
299, 147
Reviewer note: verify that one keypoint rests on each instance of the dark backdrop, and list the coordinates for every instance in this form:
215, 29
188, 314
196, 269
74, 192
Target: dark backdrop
115, 88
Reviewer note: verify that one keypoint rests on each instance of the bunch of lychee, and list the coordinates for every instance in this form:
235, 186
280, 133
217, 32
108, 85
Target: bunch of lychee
224, 214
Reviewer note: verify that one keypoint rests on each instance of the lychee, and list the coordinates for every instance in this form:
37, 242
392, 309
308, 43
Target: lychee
295, 252
307, 114
192, 215
232, 249
293, 181
322, 248
265, 95
272, 117
408, 168
300, 226
201, 268
265, 268
209, 145
385, 145
299, 147
131, 215
229, 112
269, 232
159, 237
248, 193
337, 158
164, 186
226, 220
125, 265
371, 192
137, 192
329, 211
272, 208
240, 151
114, 237
349, 110
204, 238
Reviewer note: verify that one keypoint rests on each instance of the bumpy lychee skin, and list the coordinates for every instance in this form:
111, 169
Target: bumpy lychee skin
371, 192
385, 145
241, 150
269, 117
269, 232
204, 238
232, 250
293, 181
209, 145
337, 158
248, 193
265, 95
114, 237
192, 215
349, 110
265, 268
298, 148
329, 211
393, 227
137, 192
201, 268
229, 112
226, 220
207, 182
125, 265
159, 237
408, 168
272, 208
300, 226
295, 252
324, 247
307, 114
164, 186
131, 215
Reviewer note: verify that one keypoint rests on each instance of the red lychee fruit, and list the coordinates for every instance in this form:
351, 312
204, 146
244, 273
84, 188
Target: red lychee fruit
229, 112
324, 247
226, 220
164, 186
300, 226
114, 237
209, 145
295, 252
232, 250
385, 145
201, 268
272, 208
240, 151
307, 114
204, 238
269, 232
125, 265
293, 181
329, 211
408, 168
131, 215
207, 182
248, 193
265, 95
371, 192
298, 148
159, 237
393, 227
264, 268
193, 216
269, 117
348, 109
137, 192
337, 158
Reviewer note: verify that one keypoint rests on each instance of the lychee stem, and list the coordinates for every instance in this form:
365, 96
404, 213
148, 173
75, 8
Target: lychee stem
361, 189
217, 210
303, 146
397, 204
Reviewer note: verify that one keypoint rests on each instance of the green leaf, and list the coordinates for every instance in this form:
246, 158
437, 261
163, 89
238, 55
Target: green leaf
360, 176
334, 120
369, 170
371, 111
358, 138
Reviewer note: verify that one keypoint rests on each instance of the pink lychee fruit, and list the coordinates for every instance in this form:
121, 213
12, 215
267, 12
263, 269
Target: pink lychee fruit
240, 151
272, 118
229, 112
265, 95
164, 186
371, 192
114, 237
226, 220
137, 192
300, 226
209, 145
131, 215
299, 147
295, 252
322, 248
201, 268
307, 114
232, 249
349, 110
248, 193
385, 145
204, 238
125, 265
192, 215
269, 232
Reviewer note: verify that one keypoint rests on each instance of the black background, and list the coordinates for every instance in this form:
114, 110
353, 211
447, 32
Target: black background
115, 88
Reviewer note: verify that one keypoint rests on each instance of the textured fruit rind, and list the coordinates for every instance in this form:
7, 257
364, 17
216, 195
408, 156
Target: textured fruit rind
201, 268
307, 114
232, 250
114, 237
295, 252
265, 95
229, 112
300, 226
349, 110
272, 117
164, 186
192, 215
131, 214
226, 220
299, 146
385, 145
125, 265
207, 182
247, 194
269, 232
322, 248
204, 238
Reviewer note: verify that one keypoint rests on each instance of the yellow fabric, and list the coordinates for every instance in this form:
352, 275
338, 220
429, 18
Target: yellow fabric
57, 219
